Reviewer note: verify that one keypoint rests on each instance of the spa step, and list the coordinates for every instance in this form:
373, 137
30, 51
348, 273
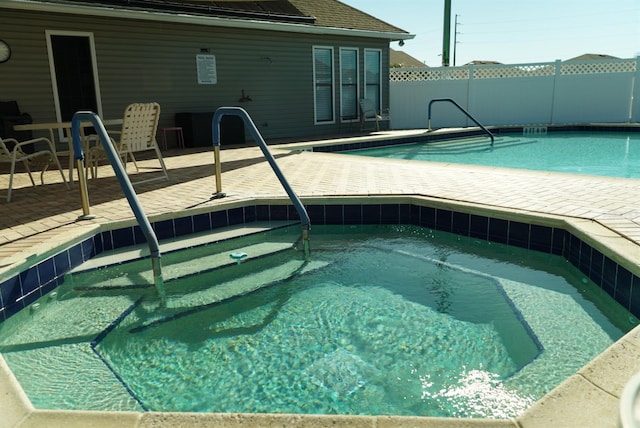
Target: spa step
473, 144
170, 245
139, 274
179, 305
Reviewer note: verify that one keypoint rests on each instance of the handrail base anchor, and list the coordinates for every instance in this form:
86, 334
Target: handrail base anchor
86, 217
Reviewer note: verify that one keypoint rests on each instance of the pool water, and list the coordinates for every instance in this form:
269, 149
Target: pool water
395, 320
594, 153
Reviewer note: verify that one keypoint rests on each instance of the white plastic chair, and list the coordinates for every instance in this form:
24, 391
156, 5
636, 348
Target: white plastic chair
138, 134
41, 158
368, 111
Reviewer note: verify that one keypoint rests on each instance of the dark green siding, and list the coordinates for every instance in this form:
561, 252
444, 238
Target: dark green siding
140, 61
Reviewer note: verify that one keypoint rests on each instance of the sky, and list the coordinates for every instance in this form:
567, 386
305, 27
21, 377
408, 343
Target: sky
512, 31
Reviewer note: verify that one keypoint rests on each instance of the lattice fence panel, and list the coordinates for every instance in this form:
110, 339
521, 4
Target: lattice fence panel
511, 71
598, 67
498, 72
428, 74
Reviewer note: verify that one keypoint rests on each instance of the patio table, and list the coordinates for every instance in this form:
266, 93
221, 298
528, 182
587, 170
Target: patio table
66, 128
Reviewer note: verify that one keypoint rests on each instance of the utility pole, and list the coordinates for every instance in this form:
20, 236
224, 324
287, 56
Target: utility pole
446, 35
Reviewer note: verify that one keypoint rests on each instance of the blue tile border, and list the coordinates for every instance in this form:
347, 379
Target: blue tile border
23, 289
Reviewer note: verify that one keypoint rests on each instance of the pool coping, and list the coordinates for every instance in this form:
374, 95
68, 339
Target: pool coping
601, 381
383, 138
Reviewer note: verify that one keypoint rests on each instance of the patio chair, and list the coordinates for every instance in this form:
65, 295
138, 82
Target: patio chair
138, 134
10, 115
40, 158
368, 111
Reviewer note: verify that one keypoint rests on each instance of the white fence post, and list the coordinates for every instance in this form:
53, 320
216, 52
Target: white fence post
634, 109
470, 92
556, 74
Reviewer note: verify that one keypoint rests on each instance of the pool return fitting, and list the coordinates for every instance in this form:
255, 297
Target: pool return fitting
240, 112
125, 184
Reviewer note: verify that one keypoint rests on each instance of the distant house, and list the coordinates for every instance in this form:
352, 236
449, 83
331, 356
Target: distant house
298, 66
403, 59
589, 57
483, 62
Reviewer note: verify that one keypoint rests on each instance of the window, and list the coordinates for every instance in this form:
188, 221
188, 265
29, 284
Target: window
323, 84
373, 76
348, 83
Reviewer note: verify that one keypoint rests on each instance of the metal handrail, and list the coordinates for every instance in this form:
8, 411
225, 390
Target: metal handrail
240, 112
125, 184
628, 407
462, 110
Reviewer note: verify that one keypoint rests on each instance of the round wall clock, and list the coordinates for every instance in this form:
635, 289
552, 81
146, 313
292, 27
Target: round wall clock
5, 51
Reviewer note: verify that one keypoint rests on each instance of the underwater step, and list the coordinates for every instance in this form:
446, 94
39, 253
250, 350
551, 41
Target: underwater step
219, 236
470, 145
465, 141
139, 274
178, 306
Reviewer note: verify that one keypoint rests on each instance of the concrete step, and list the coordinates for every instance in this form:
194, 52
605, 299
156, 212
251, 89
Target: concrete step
179, 304
469, 145
139, 274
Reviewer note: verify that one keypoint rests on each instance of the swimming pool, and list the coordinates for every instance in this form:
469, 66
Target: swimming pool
613, 154
354, 337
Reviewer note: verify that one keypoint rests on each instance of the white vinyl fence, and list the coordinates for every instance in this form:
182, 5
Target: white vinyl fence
595, 91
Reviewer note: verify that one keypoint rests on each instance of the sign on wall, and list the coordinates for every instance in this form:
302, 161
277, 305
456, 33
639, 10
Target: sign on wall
207, 73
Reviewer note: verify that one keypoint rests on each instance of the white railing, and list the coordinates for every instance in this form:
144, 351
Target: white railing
541, 93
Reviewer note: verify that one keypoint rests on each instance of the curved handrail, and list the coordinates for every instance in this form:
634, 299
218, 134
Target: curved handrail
242, 113
462, 110
125, 184
628, 400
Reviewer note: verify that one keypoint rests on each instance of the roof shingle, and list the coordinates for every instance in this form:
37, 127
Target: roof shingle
318, 13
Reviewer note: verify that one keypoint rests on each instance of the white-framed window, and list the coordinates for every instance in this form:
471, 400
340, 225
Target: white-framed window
349, 83
323, 78
373, 76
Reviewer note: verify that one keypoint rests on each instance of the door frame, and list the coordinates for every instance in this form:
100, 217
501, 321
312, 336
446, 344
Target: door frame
52, 70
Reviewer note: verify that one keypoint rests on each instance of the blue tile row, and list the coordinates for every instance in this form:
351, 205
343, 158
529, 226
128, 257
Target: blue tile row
21, 290
615, 279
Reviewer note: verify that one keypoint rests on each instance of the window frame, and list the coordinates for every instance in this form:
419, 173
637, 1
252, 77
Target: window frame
367, 92
316, 84
345, 117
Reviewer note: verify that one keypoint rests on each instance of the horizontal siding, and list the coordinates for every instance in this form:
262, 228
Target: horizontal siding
141, 61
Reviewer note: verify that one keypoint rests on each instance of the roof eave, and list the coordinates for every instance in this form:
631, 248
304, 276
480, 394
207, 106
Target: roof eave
200, 20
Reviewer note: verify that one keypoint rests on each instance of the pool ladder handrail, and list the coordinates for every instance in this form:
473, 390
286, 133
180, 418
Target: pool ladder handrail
436, 100
242, 113
125, 184
629, 404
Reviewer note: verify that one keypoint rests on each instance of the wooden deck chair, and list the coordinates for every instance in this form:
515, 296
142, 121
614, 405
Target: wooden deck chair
12, 153
138, 134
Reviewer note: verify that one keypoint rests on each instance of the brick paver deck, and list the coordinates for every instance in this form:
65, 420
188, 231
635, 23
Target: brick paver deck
38, 215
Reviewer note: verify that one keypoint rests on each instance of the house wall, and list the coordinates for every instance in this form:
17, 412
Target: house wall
143, 61
546, 93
